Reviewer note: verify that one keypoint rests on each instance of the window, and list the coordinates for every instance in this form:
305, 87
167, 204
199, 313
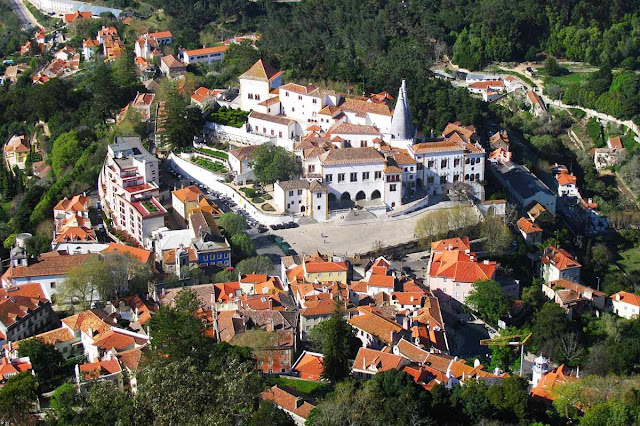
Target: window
354, 177
315, 101
472, 178
250, 95
299, 97
340, 177
365, 175
318, 207
455, 178
443, 164
456, 162
299, 191
290, 193
257, 97
377, 175
52, 285
392, 187
264, 130
443, 179
279, 134
430, 163
272, 132
363, 144
312, 168
293, 109
286, 94
328, 178
466, 161
319, 195
477, 176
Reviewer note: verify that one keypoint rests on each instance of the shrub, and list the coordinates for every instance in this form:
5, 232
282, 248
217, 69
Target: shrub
594, 130
258, 200
577, 113
267, 207
250, 192
267, 196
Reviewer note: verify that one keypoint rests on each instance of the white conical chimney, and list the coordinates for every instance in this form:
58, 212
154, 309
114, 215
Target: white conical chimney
401, 125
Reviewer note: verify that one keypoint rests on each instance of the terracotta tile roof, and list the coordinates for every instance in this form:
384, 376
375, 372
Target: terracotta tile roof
373, 362
11, 368
87, 320
115, 339
190, 193
353, 129
466, 132
485, 85
412, 352
298, 88
319, 307
52, 263
169, 256
363, 107
226, 292
131, 358
319, 267
75, 233
442, 146
309, 365
544, 389
528, 227
17, 302
376, 280
566, 179
142, 255
146, 308
261, 71
615, 143
278, 119
402, 159
288, 401
172, 62
351, 156
626, 297
329, 110
17, 143
207, 50
270, 101
244, 153
535, 99
376, 325
405, 298
77, 203
95, 370
575, 287
455, 243
461, 267
52, 337
559, 258
161, 34
253, 278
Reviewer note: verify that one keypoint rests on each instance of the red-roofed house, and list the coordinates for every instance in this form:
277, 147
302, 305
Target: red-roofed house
559, 264
15, 152
544, 388
315, 269
309, 366
205, 55
293, 405
12, 367
626, 304
370, 362
75, 16
99, 371
203, 96
25, 311
377, 331
574, 298
531, 232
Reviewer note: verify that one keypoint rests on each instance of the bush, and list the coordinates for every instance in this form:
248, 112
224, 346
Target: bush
250, 192
267, 207
577, 113
594, 130
267, 196
257, 200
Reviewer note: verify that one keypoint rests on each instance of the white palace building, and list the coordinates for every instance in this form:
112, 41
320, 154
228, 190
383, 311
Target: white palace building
360, 149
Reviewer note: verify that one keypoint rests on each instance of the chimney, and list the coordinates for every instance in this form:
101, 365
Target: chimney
406, 323
618, 298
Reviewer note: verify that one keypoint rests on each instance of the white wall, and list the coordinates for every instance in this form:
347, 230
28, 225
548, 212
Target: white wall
252, 88
368, 186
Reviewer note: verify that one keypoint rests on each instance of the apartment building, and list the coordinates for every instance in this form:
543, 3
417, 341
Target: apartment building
206, 55
128, 188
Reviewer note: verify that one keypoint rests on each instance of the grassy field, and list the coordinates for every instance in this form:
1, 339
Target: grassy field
630, 261
566, 80
307, 387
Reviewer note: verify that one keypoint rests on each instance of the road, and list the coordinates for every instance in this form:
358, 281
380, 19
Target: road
26, 18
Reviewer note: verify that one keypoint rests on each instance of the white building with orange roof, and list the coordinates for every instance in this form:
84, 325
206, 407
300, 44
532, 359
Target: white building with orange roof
625, 304
530, 231
559, 264
574, 298
257, 84
315, 269
567, 184
149, 46
303, 197
205, 55
303, 102
376, 331
24, 311
204, 97
89, 47
370, 362
16, 151
128, 188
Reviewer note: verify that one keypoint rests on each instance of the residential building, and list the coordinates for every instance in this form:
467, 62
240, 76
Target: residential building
204, 97
309, 366
185, 200
128, 188
210, 246
65, 53
314, 313
376, 331
171, 67
567, 186
62, 7
316, 268
370, 362
141, 104
295, 406
625, 304
10, 367
149, 46
530, 231
206, 55
574, 298
89, 47
559, 264
278, 357
544, 383
499, 139
25, 311
98, 371
538, 108
16, 151
275, 126
72, 223
70, 18
240, 164
307, 198
613, 154
257, 84
452, 273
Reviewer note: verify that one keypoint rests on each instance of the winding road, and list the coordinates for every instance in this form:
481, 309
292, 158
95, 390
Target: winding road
26, 18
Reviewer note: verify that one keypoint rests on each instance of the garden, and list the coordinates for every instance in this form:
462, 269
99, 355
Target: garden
209, 165
228, 117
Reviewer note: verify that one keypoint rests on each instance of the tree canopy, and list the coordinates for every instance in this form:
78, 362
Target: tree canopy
272, 163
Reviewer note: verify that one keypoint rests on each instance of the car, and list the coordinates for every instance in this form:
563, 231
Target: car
273, 227
262, 229
294, 225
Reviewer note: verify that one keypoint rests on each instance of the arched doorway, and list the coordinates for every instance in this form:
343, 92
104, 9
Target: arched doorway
375, 195
361, 196
302, 209
345, 196
332, 197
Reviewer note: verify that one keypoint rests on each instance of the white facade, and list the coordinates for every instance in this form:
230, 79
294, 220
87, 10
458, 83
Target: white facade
355, 181
128, 187
302, 197
626, 305
206, 55
256, 85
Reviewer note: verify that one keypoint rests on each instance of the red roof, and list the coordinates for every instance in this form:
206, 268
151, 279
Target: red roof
386, 281
626, 297
140, 254
161, 34
615, 143
559, 258
11, 368
317, 267
206, 50
94, 370
456, 243
309, 366
528, 227
287, 401
544, 388
565, 178
461, 267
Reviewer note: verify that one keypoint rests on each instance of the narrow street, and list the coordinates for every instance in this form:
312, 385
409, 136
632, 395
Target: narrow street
26, 18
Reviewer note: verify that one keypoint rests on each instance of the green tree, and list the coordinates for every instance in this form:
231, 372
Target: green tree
320, 333
497, 234
337, 345
471, 400
66, 151
65, 402
242, 245
511, 398
178, 334
107, 405
272, 163
232, 223
17, 398
269, 414
549, 324
552, 68
47, 362
225, 276
183, 121
187, 300
38, 244
254, 265
488, 299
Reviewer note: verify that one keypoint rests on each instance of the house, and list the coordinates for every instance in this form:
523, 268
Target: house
559, 264
370, 362
625, 304
134, 309
257, 84
171, 67
72, 223
15, 152
452, 274
612, 154
204, 97
275, 126
499, 139
70, 18
98, 371
149, 46
185, 200
315, 268
89, 47
574, 298
10, 367
545, 381
142, 104
65, 53
25, 311
314, 313
205, 55
210, 246
309, 366
538, 108
376, 331
307, 198
295, 406
489, 89
129, 191
240, 164
530, 231
567, 186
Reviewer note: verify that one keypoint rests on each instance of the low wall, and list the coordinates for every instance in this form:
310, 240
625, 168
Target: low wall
411, 207
216, 183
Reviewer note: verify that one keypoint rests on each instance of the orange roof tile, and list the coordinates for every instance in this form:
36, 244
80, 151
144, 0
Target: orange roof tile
309, 366
544, 387
94, 370
373, 361
287, 401
461, 267
376, 325
455, 243
528, 227
142, 255
261, 71
626, 297
188, 194
559, 258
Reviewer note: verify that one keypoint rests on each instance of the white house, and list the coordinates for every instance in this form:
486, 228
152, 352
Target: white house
240, 164
206, 55
626, 304
149, 45
567, 184
280, 127
89, 48
558, 264
304, 197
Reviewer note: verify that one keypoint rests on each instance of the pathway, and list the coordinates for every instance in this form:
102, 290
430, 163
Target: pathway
25, 17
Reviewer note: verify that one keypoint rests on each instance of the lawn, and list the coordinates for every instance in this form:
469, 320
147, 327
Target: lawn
212, 153
630, 261
209, 165
565, 81
307, 387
